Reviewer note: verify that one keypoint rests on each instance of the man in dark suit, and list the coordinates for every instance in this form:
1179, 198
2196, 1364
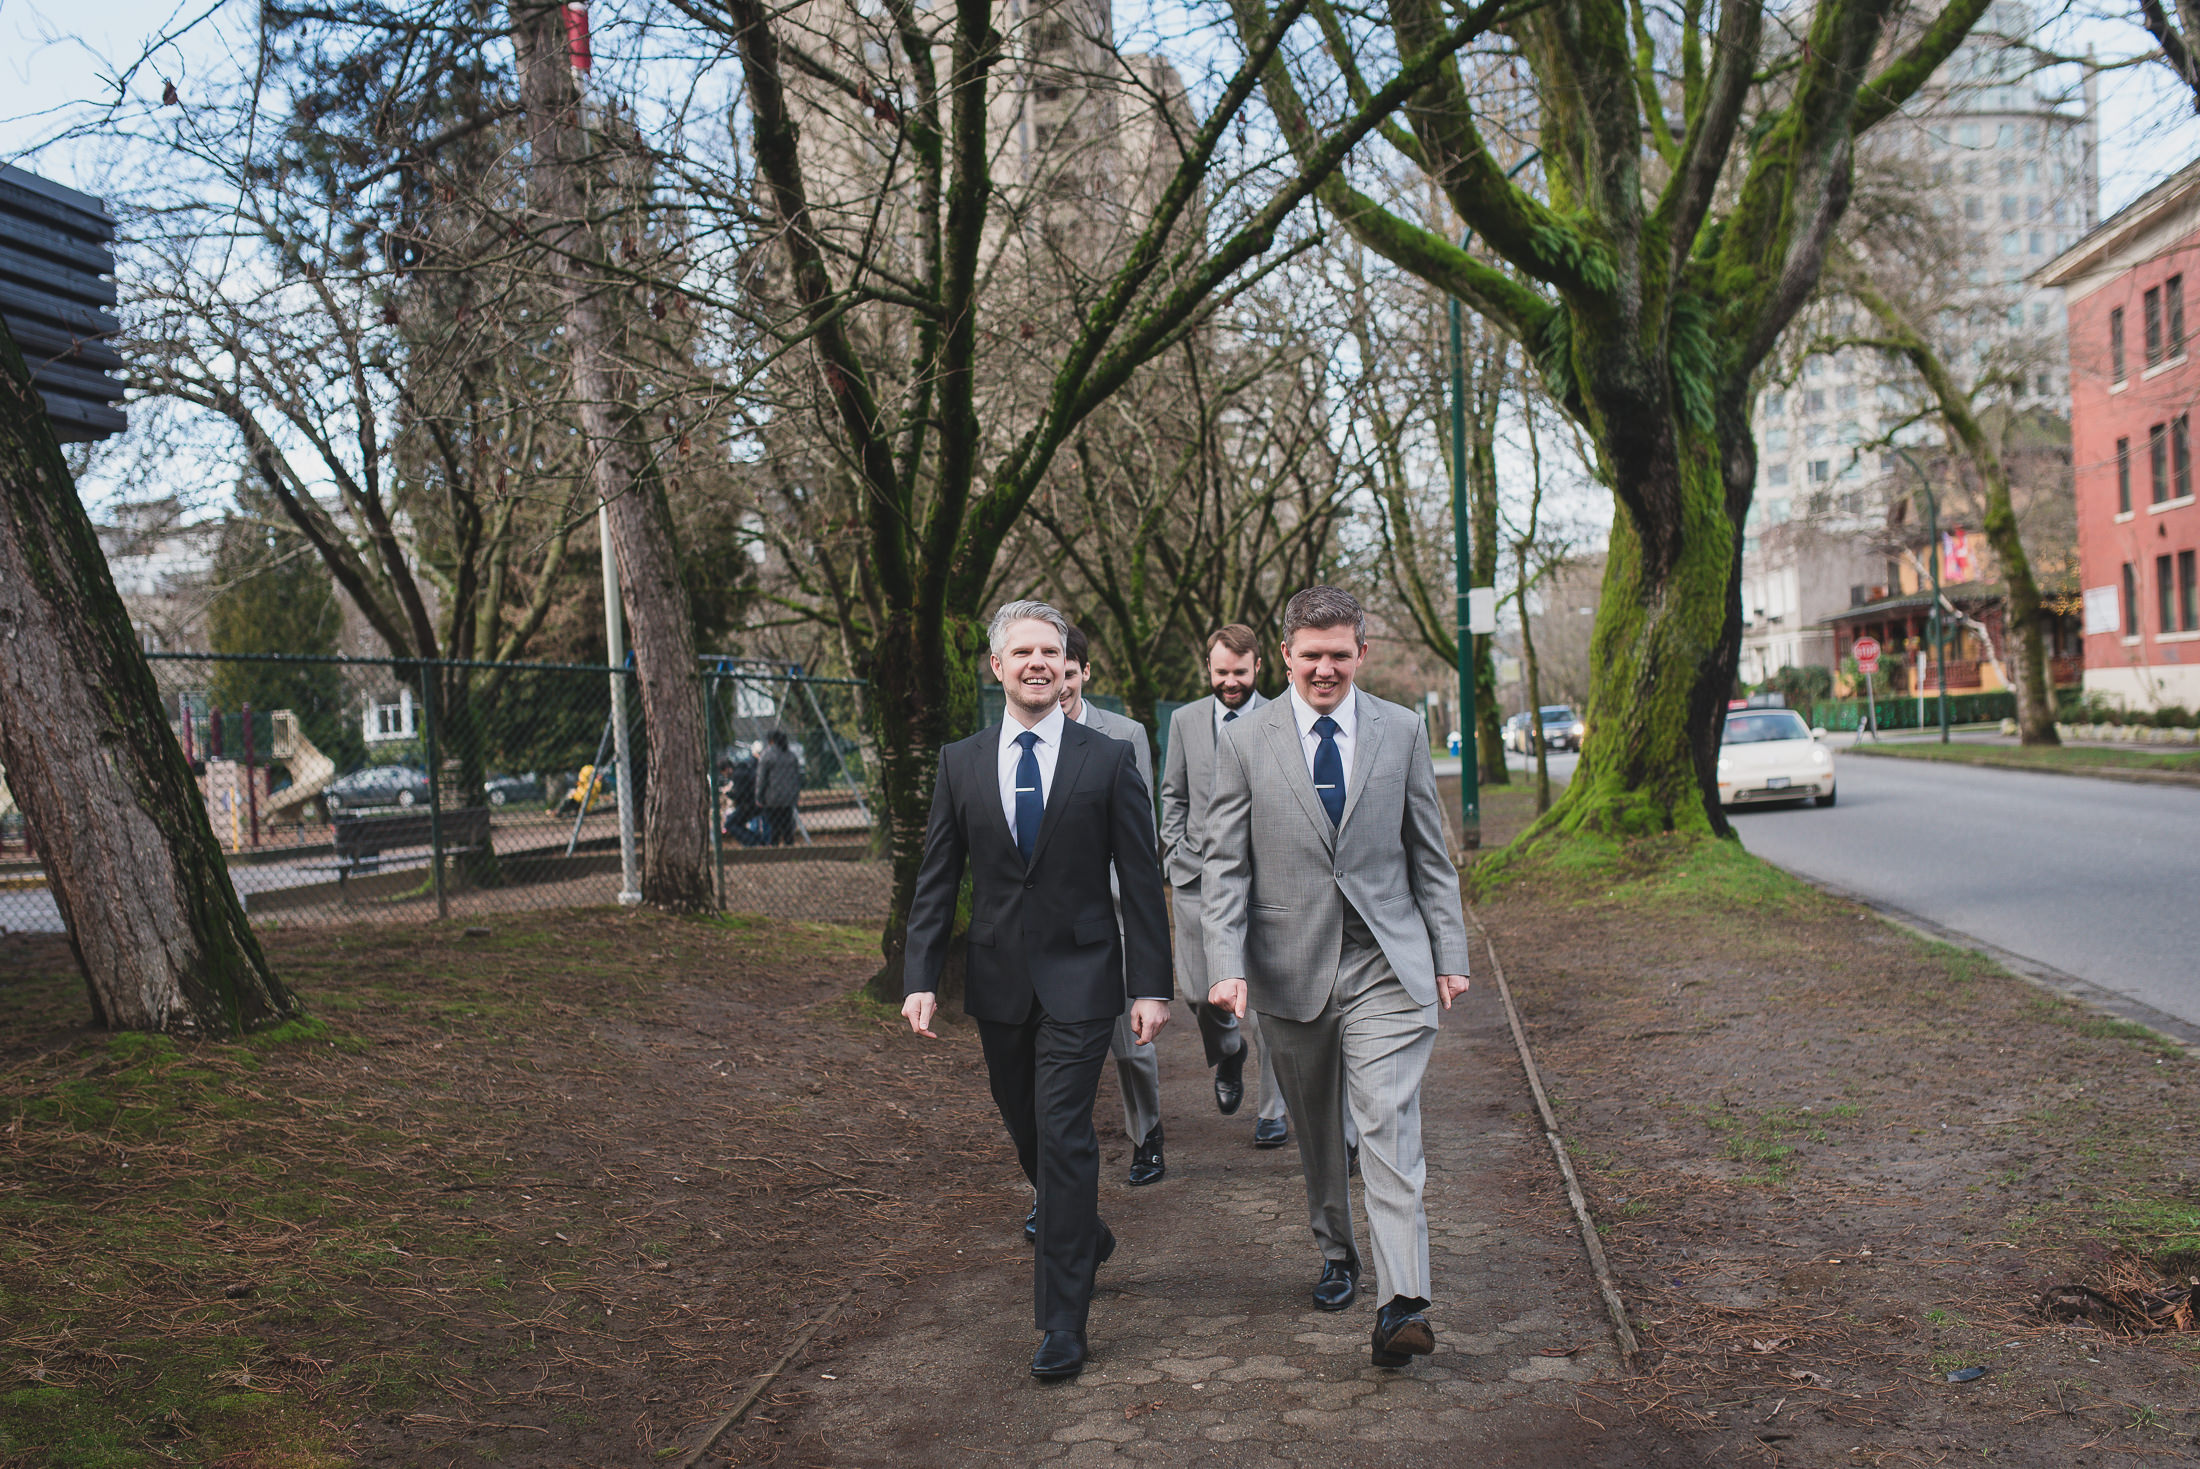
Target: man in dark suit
1039, 807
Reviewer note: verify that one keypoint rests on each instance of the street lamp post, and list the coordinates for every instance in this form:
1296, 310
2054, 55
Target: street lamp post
1932, 558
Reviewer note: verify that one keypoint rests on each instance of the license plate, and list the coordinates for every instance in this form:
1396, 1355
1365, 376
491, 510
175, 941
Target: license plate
1777, 783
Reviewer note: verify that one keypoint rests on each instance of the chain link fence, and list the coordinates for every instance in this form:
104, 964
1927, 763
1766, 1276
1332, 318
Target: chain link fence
347, 790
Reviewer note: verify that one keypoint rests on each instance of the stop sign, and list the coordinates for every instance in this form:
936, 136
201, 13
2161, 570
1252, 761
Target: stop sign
1867, 655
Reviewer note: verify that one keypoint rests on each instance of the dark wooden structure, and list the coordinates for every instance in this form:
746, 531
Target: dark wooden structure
56, 295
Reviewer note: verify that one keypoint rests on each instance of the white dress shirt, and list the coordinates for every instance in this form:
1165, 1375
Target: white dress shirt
1049, 749
1347, 715
1222, 710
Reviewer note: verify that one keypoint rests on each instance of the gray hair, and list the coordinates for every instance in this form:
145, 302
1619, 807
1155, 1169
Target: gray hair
1026, 611
1321, 608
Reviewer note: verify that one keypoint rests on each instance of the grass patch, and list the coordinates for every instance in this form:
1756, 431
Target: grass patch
2040, 757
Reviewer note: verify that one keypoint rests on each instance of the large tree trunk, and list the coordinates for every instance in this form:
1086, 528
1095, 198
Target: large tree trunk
130, 859
676, 837
1661, 663
924, 674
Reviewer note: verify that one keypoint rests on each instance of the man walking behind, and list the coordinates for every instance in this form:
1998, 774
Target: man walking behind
1187, 786
1332, 908
778, 788
1137, 1065
1039, 808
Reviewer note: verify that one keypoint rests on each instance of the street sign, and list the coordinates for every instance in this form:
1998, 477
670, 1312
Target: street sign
1867, 655
55, 291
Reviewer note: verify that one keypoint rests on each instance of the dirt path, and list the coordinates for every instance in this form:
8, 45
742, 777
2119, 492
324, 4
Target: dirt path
1206, 1349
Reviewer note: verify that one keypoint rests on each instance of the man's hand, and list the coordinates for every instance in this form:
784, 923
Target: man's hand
919, 1009
1147, 1018
1228, 994
1450, 987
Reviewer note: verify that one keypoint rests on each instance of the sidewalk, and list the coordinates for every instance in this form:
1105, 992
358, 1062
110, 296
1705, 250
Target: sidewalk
1206, 1349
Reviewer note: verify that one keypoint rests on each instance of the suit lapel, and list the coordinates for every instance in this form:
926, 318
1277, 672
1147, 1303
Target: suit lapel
1368, 736
1200, 758
1067, 766
1282, 731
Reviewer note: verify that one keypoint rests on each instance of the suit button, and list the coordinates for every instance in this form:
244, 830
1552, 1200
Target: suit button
1031, 883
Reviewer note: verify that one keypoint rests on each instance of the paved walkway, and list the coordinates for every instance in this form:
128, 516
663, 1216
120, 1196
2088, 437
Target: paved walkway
1206, 1348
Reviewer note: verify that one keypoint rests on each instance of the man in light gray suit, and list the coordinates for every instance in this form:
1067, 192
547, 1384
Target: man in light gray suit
1187, 785
1137, 1065
1332, 908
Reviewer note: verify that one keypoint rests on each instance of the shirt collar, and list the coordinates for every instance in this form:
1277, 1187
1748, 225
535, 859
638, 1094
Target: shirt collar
1223, 711
1049, 729
1346, 714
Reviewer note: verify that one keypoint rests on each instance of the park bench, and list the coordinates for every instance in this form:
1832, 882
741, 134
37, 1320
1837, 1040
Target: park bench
361, 838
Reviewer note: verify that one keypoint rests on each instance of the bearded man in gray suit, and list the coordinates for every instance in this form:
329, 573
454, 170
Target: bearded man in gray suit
1332, 907
1187, 786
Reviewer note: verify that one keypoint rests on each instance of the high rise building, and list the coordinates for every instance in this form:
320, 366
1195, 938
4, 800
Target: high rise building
2008, 171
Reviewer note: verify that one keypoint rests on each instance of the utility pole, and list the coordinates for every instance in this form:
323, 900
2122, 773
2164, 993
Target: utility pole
614, 632
1932, 554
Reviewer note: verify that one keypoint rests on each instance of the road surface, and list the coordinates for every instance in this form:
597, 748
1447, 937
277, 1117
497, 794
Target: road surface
2097, 878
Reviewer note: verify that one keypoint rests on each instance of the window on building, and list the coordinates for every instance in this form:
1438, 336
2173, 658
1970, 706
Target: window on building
2131, 600
2153, 313
1970, 170
2039, 313
1814, 401
1845, 396
1820, 471
2123, 476
2165, 595
2047, 384
1775, 404
2158, 463
1776, 440
1776, 475
2188, 592
2009, 206
2173, 312
2180, 455
2116, 345
2038, 243
1974, 208
2005, 136
2032, 136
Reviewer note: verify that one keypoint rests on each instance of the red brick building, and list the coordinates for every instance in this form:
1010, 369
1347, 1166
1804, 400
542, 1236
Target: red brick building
2134, 383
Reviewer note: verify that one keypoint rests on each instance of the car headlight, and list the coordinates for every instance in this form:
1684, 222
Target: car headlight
1820, 757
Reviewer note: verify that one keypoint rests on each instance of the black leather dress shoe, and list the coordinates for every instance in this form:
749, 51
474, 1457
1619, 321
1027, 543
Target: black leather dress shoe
1337, 1287
1271, 1132
1230, 1081
1146, 1163
1061, 1355
1031, 1224
1402, 1333
1106, 1251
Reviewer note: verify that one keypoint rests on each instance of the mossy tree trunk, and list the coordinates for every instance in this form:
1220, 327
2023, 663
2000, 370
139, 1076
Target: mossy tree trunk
130, 858
1648, 266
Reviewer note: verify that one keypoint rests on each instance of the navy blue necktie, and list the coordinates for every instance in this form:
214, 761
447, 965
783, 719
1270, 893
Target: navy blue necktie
1031, 801
1329, 769
1232, 714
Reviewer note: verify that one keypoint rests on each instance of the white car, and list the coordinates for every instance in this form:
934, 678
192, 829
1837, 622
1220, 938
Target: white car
1771, 755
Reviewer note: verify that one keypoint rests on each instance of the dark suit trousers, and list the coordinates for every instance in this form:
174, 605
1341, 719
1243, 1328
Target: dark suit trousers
1045, 1073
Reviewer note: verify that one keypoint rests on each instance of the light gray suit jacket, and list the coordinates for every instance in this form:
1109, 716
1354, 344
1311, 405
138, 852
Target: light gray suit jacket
1188, 784
1277, 875
1128, 730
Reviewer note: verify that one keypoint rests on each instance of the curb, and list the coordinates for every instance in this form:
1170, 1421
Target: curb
1593, 1244
2098, 998
2129, 777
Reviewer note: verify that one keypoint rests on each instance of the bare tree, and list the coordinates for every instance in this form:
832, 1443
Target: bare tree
1692, 169
130, 858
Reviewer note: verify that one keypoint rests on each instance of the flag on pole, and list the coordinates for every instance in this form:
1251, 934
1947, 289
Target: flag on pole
1955, 556
576, 37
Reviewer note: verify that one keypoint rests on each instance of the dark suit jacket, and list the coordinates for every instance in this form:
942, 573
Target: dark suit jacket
1047, 932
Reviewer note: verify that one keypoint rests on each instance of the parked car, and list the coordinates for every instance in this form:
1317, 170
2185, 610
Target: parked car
377, 785
513, 790
1561, 730
1771, 755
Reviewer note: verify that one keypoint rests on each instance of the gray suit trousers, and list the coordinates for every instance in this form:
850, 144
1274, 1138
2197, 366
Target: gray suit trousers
1138, 1074
1368, 1049
1218, 1029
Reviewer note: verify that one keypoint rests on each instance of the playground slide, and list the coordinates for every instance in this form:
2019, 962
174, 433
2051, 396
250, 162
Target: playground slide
310, 770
